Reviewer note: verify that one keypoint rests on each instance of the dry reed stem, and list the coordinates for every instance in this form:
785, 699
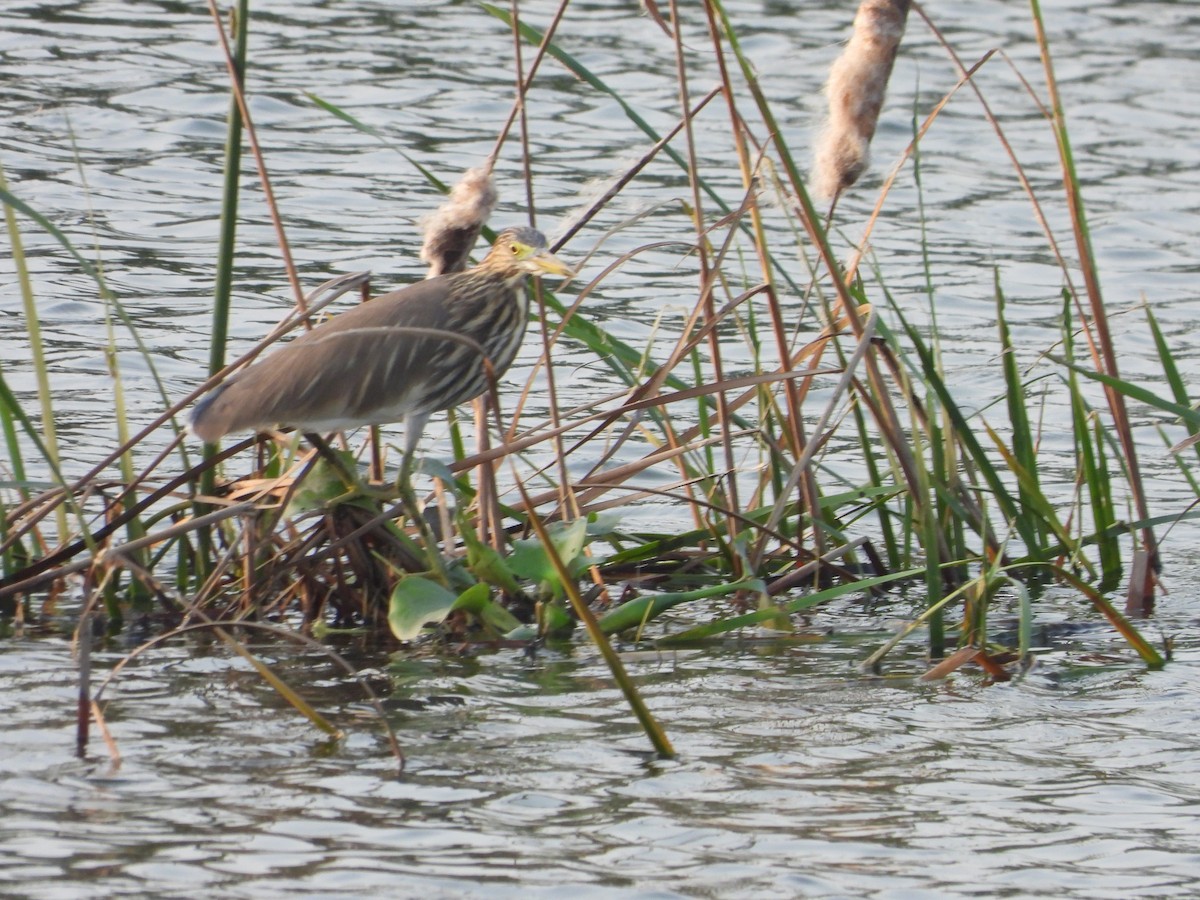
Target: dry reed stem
857, 86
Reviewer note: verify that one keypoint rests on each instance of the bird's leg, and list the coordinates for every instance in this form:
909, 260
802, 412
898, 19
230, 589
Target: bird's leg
412, 435
414, 425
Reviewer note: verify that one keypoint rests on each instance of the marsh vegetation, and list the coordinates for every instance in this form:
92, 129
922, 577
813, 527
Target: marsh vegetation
798, 418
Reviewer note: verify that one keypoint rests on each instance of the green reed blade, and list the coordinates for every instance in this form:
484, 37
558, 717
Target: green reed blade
1093, 466
1188, 414
1170, 370
733, 623
638, 612
1024, 452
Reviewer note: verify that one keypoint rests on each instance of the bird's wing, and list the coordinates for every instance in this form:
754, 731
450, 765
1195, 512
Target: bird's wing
353, 369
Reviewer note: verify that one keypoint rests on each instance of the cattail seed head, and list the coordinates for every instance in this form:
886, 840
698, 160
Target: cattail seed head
856, 88
451, 231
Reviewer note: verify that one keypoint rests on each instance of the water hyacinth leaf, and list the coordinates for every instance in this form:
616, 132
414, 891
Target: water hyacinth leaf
530, 560
486, 563
602, 524
439, 470
417, 602
477, 600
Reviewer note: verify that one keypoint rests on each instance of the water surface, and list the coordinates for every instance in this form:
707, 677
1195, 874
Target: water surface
798, 775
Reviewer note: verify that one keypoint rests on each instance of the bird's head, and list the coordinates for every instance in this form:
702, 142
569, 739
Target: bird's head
522, 251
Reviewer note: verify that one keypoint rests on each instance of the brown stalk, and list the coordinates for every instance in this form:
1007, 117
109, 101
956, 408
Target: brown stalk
808, 493
708, 269
1140, 598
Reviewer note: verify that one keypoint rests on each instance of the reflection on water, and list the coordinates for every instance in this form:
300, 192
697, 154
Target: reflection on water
797, 776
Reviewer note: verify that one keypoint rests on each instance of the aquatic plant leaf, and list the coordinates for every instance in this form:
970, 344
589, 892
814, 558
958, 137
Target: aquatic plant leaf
358, 124
530, 560
800, 604
644, 608
415, 603
438, 469
284, 690
323, 484
603, 524
658, 737
477, 600
486, 563
554, 621
1190, 416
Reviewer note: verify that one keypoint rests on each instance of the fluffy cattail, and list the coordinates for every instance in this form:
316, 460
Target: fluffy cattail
451, 232
857, 85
